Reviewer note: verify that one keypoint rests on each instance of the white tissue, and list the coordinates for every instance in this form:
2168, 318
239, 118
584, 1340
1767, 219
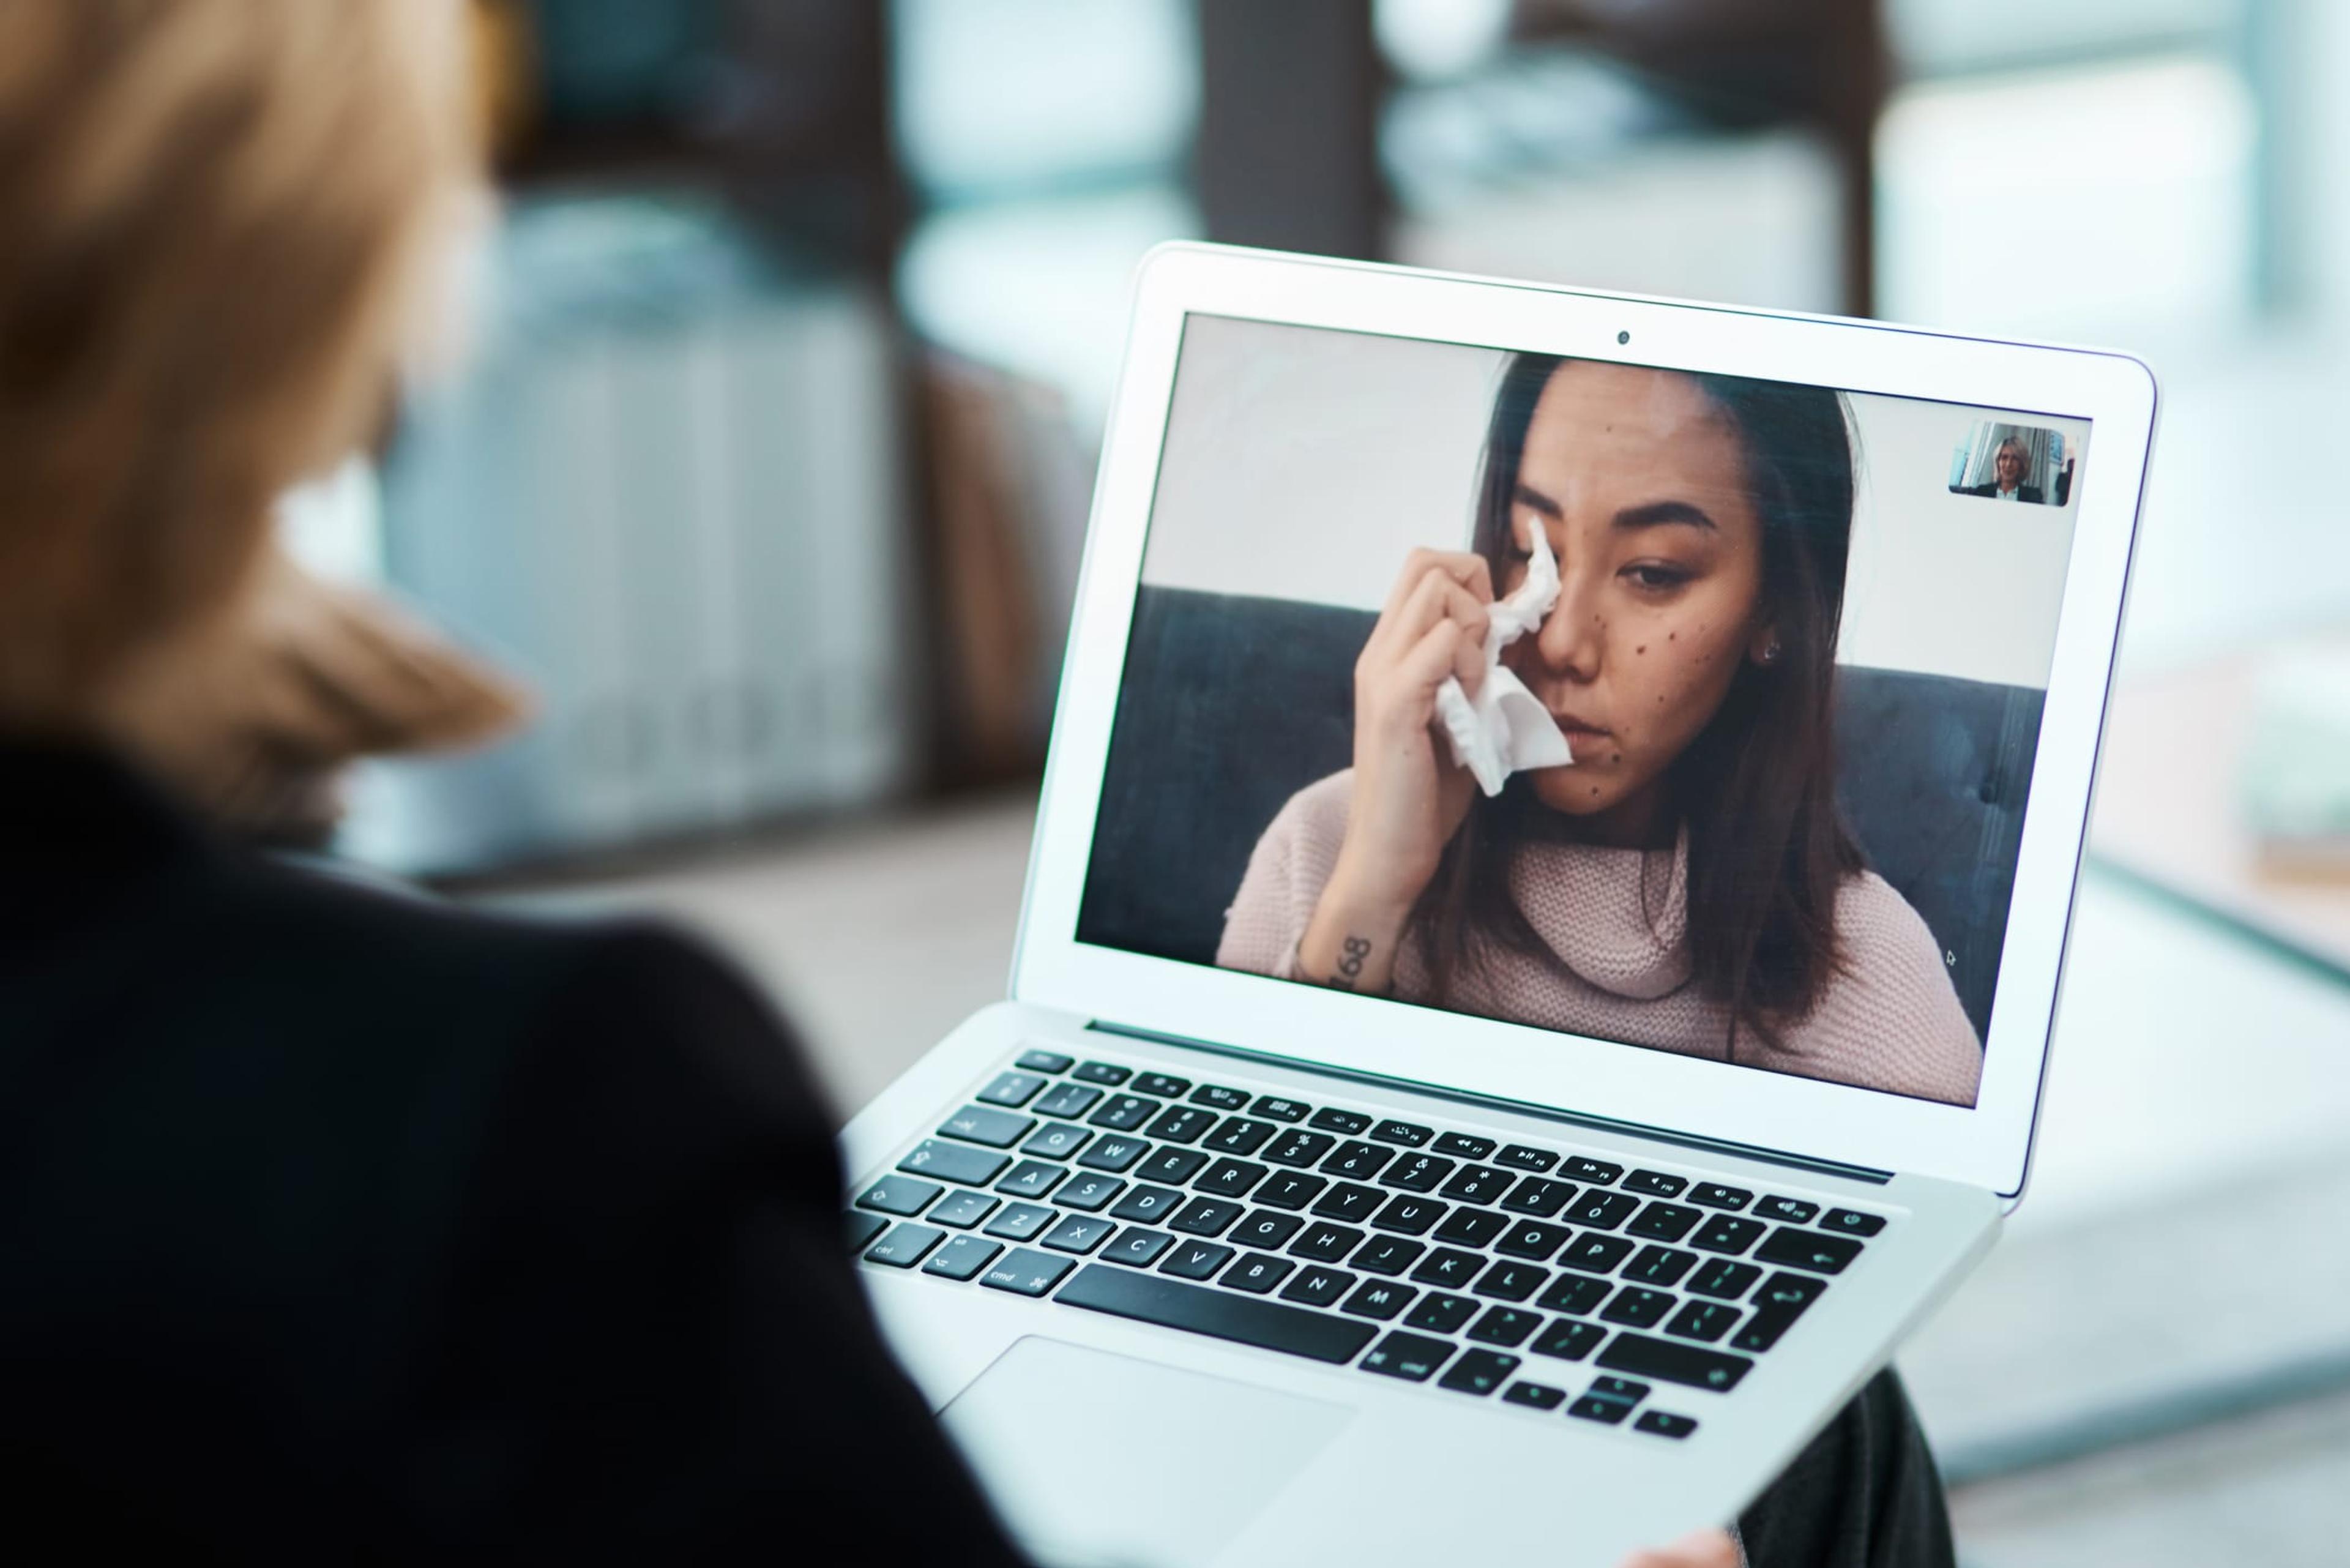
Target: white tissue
1504, 729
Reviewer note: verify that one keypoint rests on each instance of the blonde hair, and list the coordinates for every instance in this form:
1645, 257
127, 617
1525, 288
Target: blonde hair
211, 218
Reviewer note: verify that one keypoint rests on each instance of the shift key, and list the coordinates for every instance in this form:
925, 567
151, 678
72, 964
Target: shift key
997, 1129
1691, 1365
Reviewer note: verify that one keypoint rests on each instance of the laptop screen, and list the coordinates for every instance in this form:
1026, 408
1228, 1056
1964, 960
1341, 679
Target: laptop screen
1691, 712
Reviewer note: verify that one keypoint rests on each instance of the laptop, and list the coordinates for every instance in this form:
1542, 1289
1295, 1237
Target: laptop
1375, 1161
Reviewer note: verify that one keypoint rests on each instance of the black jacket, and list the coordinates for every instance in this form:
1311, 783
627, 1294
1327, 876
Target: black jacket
2029, 494
337, 1226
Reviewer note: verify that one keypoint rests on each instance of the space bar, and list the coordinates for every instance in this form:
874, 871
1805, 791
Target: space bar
1101, 1288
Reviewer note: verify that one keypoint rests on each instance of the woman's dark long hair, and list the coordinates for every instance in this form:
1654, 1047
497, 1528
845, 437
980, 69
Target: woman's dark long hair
1756, 790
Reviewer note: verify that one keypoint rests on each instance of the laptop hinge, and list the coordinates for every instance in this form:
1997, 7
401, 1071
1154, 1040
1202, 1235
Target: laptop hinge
1515, 1107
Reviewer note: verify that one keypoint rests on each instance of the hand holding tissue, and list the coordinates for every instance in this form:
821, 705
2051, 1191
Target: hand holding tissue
1505, 729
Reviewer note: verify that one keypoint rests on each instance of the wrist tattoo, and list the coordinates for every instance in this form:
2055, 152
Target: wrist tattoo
1352, 951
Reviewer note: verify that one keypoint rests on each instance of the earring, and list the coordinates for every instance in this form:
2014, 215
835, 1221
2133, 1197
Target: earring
1770, 652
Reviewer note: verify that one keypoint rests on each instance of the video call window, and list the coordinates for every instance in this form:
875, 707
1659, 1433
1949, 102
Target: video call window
1690, 713
2025, 463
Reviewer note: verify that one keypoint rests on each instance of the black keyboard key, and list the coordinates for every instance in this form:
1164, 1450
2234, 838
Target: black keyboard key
1318, 1284
1810, 1249
1518, 1156
1510, 1282
1346, 1124
1656, 1184
1622, 1388
1089, 1193
905, 1245
1714, 1195
1349, 1201
1538, 1195
1450, 1267
1182, 1124
1257, 1272
1783, 1299
996, 1129
1229, 1178
1594, 1172
1106, 1073
1147, 1205
1461, 1146
1411, 1134
1505, 1326
1407, 1215
1239, 1135
1165, 1085
1299, 1149
1215, 1096
1172, 1167
1031, 1178
1358, 1161
1596, 1254
1659, 1266
1852, 1223
1473, 1227
1417, 1173
1066, 1100
1078, 1233
1266, 1230
1014, 1089
1410, 1356
899, 1195
1604, 1210
861, 1228
1196, 1260
1577, 1294
1027, 1273
1637, 1306
1533, 1239
1793, 1210
1380, 1299
1664, 1424
1124, 1113
1204, 1217
1610, 1411
1671, 1361
1326, 1243
1115, 1152
1479, 1184
1279, 1108
1568, 1339
1478, 1372
1019, 1222
1664, 1221
1291, 1189
1725, 1280
1387, 1255
1245, 1320
1057, 1140
1727, 1233
1044, 1062
963, 1257
1533, 1395
1707, 1321
1442, 1313
1137, 1248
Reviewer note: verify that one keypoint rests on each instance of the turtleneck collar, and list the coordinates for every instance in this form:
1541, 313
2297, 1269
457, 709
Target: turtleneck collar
1617, 918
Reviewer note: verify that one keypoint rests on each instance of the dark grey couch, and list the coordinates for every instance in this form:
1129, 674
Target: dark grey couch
1231, 704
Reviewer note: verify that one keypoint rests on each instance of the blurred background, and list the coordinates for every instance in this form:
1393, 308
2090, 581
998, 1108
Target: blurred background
768, 468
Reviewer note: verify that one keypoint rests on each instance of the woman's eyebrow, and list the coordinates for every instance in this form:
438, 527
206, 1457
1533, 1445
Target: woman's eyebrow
1658, 512
1527, 495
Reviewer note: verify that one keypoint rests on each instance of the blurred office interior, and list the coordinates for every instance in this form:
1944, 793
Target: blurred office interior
767, 469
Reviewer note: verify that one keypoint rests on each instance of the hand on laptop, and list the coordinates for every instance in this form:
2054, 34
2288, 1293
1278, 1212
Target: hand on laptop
1700, 1548
1409, 796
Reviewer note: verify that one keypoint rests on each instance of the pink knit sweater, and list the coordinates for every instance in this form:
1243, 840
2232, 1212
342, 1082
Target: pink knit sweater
1616, 920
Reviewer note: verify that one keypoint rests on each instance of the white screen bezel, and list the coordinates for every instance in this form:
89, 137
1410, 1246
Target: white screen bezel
1988, 1144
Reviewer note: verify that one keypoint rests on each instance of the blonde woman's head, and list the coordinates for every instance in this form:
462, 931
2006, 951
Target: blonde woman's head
212, 216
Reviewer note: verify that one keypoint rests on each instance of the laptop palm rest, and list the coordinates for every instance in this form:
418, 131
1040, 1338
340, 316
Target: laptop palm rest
1076, 1447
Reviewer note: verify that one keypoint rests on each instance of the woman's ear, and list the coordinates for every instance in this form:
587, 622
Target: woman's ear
1763, 648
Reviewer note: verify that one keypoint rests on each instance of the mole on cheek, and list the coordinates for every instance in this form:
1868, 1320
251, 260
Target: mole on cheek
1642, 648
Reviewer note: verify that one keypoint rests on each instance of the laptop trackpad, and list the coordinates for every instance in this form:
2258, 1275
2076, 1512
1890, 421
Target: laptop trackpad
1095, 1458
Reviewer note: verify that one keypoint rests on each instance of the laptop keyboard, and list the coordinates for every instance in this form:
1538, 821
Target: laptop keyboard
1403, 1250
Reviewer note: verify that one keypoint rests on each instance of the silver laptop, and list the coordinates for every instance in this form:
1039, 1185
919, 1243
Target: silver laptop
1545, 920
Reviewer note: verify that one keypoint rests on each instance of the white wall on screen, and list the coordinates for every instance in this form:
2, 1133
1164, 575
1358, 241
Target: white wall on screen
1306, 464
